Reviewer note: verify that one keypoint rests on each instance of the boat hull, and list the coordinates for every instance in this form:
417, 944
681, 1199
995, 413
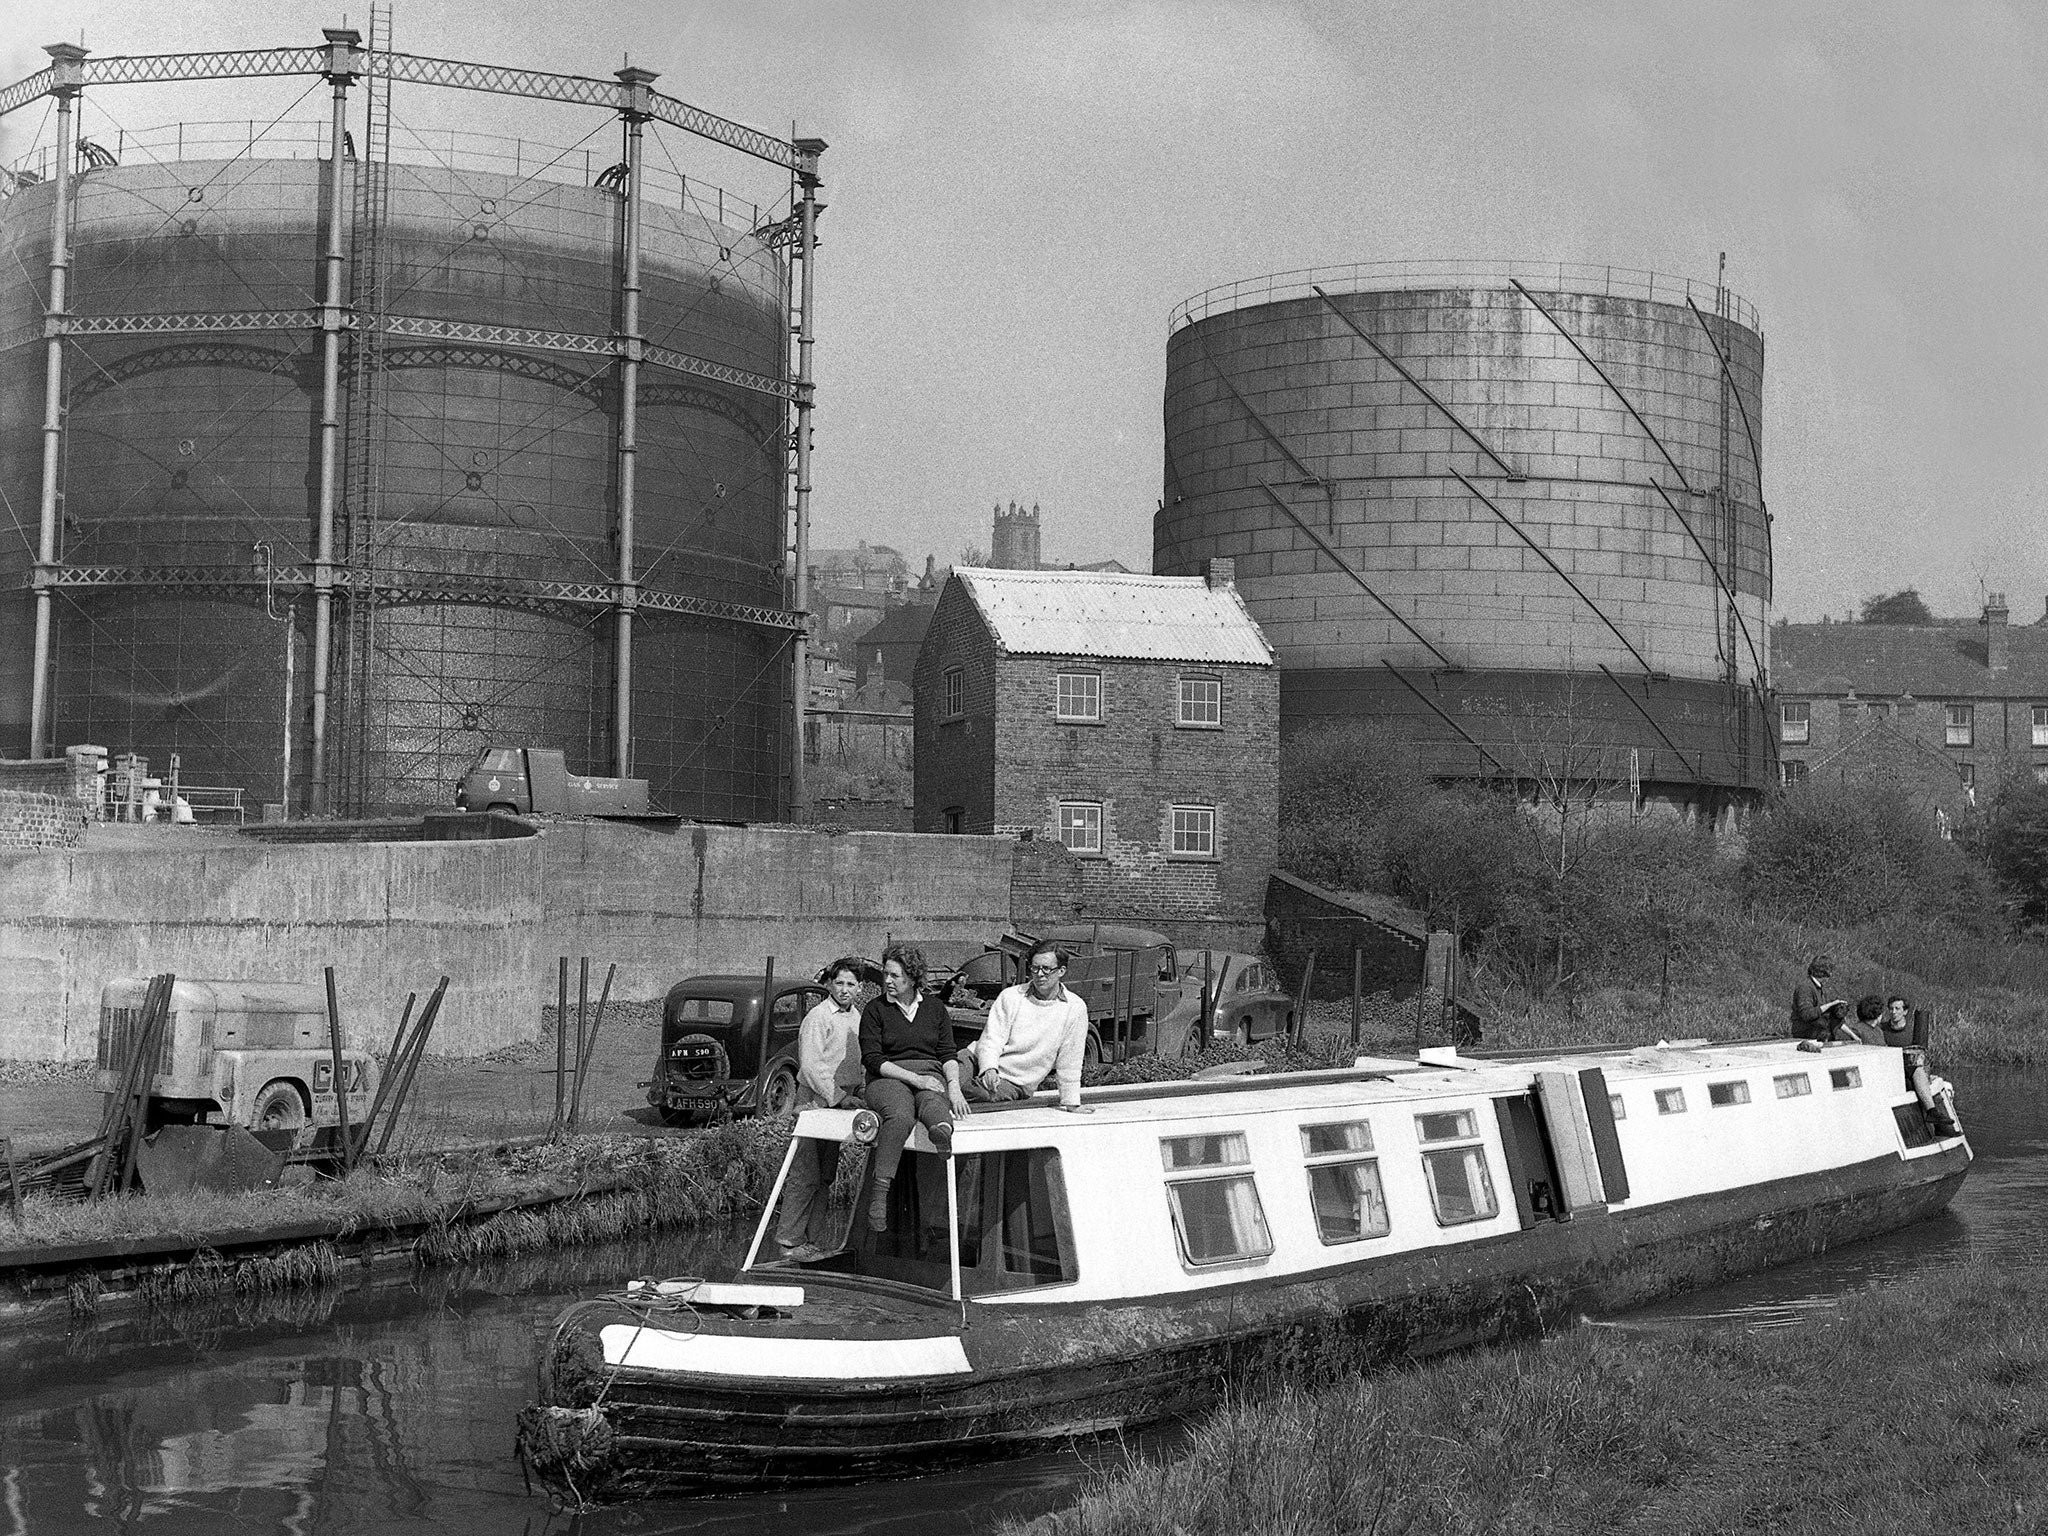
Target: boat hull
1043, 1374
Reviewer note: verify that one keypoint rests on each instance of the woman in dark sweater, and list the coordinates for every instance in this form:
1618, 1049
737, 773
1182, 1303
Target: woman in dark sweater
906, 1045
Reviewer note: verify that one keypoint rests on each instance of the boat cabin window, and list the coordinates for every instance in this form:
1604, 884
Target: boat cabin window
1344, 1188
1460, 1188
1670, 1101
1721, 1095
916, 1248
1846, 1077
1793, 1085
1014, 1228
1620, 1109
1216, 1217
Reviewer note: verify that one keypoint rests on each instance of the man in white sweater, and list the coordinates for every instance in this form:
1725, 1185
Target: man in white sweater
1034, 1031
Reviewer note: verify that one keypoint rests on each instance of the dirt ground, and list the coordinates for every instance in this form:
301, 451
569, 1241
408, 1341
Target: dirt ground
506, 1095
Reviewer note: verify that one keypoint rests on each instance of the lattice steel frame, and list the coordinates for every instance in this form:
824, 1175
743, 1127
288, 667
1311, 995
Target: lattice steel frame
342, 61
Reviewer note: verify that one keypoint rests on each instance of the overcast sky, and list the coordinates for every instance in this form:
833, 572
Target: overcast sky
1020, 192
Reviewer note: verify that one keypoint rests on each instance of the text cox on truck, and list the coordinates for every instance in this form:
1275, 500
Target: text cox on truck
257, 1054
536, 781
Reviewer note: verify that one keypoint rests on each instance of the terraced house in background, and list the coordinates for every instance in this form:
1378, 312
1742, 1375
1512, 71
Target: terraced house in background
1134, 719
1941, 710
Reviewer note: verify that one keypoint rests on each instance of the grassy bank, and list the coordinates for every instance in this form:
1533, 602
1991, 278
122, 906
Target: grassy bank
654, 1183
1921, 1407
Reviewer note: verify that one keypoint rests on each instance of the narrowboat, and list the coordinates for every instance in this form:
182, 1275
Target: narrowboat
1063, 1275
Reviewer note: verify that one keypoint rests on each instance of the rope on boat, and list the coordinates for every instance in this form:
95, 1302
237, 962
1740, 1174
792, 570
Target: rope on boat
559, 1440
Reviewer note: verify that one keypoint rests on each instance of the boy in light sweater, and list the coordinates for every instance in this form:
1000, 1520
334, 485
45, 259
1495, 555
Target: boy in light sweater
1034, 1031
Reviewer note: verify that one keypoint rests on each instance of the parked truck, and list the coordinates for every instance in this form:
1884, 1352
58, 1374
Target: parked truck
257, 1054
536, 781
1138, 1002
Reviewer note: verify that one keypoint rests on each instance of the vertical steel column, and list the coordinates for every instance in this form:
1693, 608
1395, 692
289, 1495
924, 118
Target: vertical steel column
637, 83
67, 64
806, 393
342, 65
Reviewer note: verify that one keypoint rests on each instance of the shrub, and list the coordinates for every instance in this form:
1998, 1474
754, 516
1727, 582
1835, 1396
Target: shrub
2015, 845
1841, 855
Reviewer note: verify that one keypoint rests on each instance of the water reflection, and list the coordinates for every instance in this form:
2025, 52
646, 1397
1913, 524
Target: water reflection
389, 1407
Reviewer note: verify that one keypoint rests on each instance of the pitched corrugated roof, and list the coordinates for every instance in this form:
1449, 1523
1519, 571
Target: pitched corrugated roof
1115, 615
1927, 661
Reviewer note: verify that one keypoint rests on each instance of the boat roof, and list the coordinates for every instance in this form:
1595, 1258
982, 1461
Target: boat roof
1387, 1080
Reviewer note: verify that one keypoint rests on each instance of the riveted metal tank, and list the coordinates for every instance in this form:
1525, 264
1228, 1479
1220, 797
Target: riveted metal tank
477, 470
1491, 508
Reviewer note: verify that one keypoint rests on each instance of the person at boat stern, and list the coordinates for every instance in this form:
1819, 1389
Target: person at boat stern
1036, 1030
1937, 1098
1810, 1020
906, 1049
829, 1075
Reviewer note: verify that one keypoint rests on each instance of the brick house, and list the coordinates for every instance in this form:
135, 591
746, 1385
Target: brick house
1937, 709
1134, 720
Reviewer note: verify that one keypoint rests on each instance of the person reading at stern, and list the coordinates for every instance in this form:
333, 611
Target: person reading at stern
1036, 1030
905, 1035
1810, 1018
828, 1076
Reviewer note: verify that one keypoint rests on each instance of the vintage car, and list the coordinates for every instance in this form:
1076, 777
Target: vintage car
1248, 1002
728, 1046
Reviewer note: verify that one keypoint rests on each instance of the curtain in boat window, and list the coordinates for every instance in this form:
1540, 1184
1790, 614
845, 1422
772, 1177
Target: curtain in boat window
1348, 1201
1459, 1186
1014, 1228
1219, 1220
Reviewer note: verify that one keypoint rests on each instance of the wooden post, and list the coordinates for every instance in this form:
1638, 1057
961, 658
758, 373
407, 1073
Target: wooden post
1357, 992
590, 1048
1209, 999
1308, 985
561, 1038
415, 1049
334, 1048
582, 1024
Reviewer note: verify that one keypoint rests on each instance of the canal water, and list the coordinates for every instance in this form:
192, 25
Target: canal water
390, 1410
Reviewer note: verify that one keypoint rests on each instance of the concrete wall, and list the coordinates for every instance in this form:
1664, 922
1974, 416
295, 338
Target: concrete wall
705, 898
389, 918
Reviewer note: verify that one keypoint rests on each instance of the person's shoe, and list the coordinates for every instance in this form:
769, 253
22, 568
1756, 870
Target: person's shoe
804, 1253
878, 1206
942, 1138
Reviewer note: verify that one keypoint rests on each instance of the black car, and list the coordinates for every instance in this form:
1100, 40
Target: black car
723, 1053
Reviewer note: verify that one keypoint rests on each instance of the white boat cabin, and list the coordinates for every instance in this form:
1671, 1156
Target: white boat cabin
1173, 1188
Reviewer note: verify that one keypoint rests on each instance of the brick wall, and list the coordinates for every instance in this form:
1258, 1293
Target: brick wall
32, 820
955, 754
69, 777
1138, 763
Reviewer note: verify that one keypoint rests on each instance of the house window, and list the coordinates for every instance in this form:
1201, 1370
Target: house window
1961, 729
1344, 1185
1201, 701
1081, 825
1194, 831
956, 691
1724, 1094
1795, 721
1967, 772
1460, 1188
1791, 771
1080, 696
956, 818
1216, 1216
2041, 725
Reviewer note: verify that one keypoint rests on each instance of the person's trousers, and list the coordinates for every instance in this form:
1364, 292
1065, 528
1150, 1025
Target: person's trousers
805, 1214
902, 1106
970, 1084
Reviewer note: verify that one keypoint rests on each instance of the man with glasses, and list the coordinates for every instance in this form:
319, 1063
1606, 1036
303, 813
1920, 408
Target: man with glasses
1036, 1030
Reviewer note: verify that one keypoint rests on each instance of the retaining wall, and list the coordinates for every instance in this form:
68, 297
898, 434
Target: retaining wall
665, 905
32, 820
389, 918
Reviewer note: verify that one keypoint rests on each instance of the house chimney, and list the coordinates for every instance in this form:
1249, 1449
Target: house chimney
1997, 639
1220, 572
